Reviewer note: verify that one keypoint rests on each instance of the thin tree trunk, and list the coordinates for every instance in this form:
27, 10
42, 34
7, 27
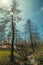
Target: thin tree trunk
12, 44
32, 46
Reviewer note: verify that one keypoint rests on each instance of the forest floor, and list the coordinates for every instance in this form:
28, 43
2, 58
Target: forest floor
5, 55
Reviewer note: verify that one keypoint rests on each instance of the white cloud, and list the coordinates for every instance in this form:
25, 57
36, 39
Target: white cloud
42, 8
38, 11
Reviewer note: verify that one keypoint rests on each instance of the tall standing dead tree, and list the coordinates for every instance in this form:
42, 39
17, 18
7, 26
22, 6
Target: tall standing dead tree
28, 29
11, 17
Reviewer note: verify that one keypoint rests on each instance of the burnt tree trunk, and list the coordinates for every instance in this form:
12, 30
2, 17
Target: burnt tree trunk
32, 45
12, 43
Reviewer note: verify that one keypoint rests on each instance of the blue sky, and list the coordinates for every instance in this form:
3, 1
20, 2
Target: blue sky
32, 9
